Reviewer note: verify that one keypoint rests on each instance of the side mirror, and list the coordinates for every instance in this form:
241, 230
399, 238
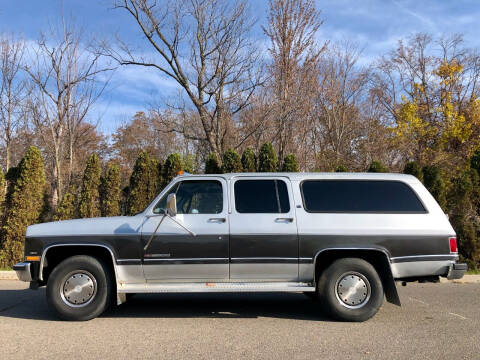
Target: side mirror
171, 207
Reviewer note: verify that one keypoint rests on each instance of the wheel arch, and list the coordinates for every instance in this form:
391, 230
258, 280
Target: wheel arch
378, 257
55, 253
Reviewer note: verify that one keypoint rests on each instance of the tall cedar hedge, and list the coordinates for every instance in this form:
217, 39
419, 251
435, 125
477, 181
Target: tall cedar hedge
66, 208
144, 183
290, 163
211, 164
110, 191
433, 181
413, 168
249, 160
341, 168
377, 167
173, 164
2, 193
89, 201
23, 205
231, 162
267, 158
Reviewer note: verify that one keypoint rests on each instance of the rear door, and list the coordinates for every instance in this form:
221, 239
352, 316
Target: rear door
263, 230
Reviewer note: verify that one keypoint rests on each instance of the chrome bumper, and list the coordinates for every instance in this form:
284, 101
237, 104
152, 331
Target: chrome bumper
456, 271
23, 271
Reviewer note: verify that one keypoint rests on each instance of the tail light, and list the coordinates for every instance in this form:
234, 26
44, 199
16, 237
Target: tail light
453, 244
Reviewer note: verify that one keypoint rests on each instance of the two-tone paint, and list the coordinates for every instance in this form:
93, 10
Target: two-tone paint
234, 247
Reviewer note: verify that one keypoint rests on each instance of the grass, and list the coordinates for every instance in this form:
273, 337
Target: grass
473, 272
5, 269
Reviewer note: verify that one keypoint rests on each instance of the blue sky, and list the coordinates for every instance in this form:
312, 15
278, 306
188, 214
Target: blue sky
374, 25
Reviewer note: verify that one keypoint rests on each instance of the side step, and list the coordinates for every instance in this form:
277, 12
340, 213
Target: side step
215, 287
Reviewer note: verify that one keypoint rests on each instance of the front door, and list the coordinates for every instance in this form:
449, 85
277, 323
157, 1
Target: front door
263, 230
174, 254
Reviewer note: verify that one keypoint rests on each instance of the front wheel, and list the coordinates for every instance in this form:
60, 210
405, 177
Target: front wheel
350, 289
80, 288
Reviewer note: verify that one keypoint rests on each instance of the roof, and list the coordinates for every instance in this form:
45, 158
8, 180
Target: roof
316, 175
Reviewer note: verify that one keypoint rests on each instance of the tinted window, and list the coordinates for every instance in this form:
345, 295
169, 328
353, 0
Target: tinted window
261, 196
359, 196
195, 197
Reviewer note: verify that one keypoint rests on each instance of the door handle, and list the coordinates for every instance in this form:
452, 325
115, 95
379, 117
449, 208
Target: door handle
217, 220
288, 220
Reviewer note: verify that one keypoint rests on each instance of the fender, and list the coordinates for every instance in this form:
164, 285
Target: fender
384, 270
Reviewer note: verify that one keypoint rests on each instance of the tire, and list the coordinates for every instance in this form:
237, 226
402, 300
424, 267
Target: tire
80, 288
366, 291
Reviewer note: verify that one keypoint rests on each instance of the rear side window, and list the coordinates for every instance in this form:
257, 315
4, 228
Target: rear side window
357, 196
261, 196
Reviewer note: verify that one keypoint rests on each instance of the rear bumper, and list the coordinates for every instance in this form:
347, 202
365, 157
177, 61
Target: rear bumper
23, 271
456, 271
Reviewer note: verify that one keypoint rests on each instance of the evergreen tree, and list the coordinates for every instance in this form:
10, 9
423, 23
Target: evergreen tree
23, 205
290, 163
155, 179
66, 208
249, 160
2, 193
475, 161
211, 164
140, 188
189, 163
89, 201
341, 168
110, 191
413, 168
231, 162
172, 166
377, 167
267, 158
433, 181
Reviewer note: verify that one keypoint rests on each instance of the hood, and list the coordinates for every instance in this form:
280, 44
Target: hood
93, 226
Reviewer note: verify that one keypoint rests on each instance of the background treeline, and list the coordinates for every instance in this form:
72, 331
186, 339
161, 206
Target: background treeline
290, 101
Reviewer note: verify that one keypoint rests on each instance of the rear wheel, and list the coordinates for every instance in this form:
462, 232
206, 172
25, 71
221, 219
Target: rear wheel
80, 288
350, 289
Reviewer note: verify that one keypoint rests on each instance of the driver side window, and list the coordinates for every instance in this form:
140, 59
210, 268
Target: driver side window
195, 197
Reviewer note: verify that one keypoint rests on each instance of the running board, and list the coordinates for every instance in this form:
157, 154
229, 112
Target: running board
214, 287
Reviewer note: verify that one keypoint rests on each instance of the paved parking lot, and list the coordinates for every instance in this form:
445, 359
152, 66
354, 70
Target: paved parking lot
436, 321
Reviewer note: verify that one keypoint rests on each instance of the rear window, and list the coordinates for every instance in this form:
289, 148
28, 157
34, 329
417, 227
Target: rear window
359, 196
261, 196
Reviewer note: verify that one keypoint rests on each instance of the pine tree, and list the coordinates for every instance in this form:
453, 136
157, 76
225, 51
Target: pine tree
413, 168
172, 166
231, 162
23, 205
290, 163
89, 200
377, 167
140, 184
211, 164
189, 164
110, 191
249, 160
267, 158
433, 181
66, 208
341, 168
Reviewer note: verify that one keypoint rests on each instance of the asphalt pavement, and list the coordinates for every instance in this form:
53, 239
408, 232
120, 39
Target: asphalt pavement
436, 321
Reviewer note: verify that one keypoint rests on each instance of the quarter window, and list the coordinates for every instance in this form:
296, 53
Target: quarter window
261, 196
195, 197
359, 196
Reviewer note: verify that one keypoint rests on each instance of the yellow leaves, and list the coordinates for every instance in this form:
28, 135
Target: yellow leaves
449, 71
409, 124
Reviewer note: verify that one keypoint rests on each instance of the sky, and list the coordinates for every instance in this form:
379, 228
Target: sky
375, 26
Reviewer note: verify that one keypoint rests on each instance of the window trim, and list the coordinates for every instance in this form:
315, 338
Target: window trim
286, 180
179, 182
363, 212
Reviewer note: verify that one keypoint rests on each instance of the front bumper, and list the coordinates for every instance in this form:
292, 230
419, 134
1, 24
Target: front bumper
23, 271
456, 271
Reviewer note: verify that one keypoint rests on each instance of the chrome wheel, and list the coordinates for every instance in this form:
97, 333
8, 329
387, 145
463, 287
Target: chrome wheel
78, 288
352, 290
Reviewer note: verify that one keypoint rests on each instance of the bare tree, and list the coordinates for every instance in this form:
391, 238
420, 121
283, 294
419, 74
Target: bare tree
292, 29
66, 77
13, 90
206, 47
